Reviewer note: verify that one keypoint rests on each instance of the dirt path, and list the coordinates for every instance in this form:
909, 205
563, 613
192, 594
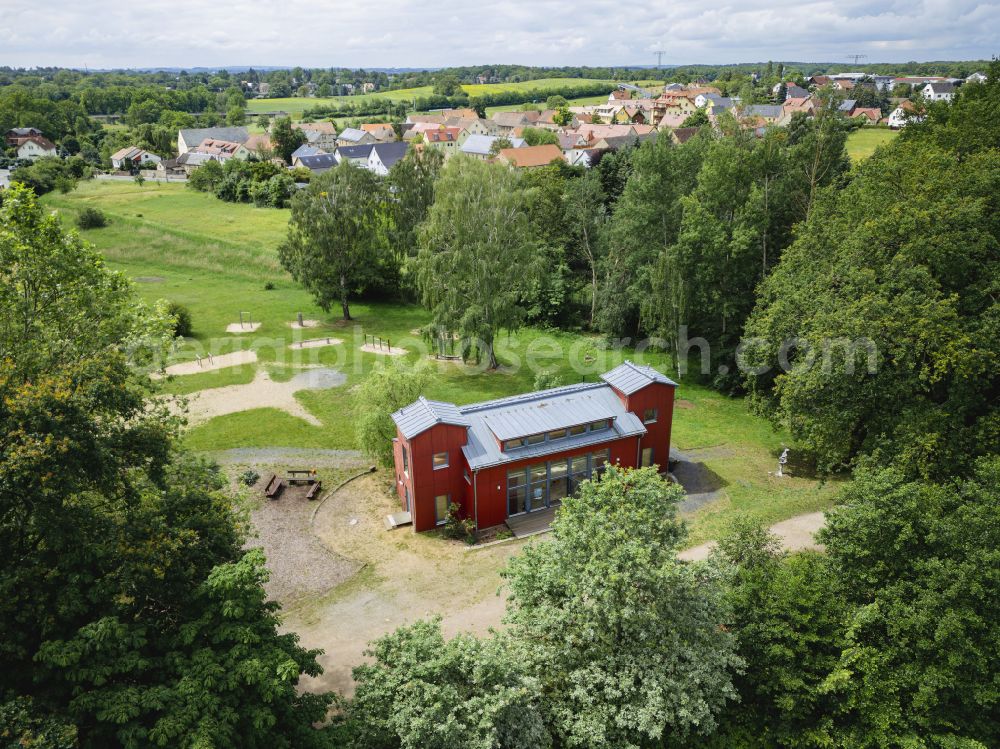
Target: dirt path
795, 533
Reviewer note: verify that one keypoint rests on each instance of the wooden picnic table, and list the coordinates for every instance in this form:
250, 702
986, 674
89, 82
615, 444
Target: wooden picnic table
301, 475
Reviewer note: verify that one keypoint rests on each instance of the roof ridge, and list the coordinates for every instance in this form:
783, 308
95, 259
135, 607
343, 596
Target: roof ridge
533, 395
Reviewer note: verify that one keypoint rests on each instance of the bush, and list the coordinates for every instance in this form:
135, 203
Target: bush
457, 527
249, 477
182, 319
546, 380
91, 218
269, 286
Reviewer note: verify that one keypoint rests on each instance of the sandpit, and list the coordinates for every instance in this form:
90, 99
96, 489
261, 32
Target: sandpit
316, 343
208, 363
263, 392
388, 351
246, 327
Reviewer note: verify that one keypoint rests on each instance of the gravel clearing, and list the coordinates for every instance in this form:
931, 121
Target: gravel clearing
299, 563
214, 362
263, 392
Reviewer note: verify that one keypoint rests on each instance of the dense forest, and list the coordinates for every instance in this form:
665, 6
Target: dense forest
859, 307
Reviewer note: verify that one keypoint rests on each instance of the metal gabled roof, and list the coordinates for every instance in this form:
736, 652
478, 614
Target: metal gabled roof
629, 378
482, 448
422, 414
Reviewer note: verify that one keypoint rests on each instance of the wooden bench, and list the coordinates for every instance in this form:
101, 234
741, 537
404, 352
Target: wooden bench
274, 487
314, 490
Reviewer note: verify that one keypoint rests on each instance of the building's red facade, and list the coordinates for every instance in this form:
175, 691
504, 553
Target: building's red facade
482, 490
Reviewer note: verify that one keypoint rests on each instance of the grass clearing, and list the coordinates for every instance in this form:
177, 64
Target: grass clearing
862, 143
215, 258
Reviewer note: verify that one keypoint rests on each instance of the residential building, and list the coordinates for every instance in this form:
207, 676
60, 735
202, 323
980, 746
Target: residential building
902, 115
352, 136
318, 163
682, 135
977, 77
530, 157
847, 106
384, 155
514, 456
938, 91
356, 155
131, 157
15, 134
447, 139
872, 114
222, 150
305, 150
322, 135
382, 132
763, 114
192, 137
507, 122
35, 147
478, 146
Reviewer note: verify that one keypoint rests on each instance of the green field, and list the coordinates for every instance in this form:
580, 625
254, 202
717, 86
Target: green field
216, 257
295, 106
862, 142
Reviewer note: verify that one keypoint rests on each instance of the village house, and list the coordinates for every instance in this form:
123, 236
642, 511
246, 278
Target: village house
16, 134
871, 114
322, 135
34, 147
447, 139
977, 77
319, 162
508, 122
222, 150
799, 104
356, 155
352, 136
474, 125
530, 157
383, 155
941, 91
382, 132
763, 114
674, 102
305, 150
902, 115
190, 138
479, 146
132, 157
502, 460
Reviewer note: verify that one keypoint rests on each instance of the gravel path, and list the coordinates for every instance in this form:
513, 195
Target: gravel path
279, 455
796, 534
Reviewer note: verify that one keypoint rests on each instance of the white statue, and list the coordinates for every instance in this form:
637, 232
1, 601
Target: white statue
782, 460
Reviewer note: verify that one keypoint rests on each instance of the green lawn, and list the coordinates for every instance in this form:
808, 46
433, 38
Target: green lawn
216, 257
862, 142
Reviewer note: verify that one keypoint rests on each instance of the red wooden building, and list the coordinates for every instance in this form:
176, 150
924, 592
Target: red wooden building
517, 455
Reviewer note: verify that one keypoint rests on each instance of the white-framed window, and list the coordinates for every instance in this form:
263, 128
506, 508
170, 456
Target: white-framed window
406, 461
441, 460
441, 502
649, 416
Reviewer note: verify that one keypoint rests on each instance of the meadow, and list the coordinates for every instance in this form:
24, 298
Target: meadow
219, 259
862, 143
295, 106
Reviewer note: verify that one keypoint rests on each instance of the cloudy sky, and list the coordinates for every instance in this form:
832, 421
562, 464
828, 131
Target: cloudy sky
414, 33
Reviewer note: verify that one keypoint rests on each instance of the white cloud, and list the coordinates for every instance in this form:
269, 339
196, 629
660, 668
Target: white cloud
410, 33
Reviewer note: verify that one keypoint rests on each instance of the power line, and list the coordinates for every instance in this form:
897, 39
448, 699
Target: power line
659, 58
857, 58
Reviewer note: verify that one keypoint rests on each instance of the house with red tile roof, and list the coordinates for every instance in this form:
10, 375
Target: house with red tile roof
530, 157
